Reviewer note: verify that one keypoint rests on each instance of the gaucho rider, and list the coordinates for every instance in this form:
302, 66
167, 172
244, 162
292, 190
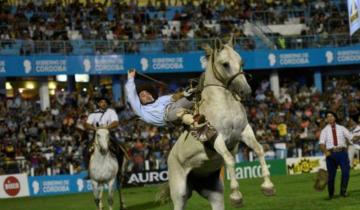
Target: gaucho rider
168, 108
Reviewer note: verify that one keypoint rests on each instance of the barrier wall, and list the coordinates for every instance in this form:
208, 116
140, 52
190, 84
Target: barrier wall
42, 65
20, 185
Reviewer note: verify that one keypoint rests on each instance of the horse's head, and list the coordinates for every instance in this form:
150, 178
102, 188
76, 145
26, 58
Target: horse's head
102, 140
227, 67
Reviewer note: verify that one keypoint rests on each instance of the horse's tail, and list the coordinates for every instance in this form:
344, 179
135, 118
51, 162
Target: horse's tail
163, 196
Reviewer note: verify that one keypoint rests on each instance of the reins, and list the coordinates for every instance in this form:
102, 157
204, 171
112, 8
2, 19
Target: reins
225, 83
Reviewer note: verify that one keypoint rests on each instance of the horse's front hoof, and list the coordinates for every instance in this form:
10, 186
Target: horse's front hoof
237, 203
268, 191
236, 199
123, 207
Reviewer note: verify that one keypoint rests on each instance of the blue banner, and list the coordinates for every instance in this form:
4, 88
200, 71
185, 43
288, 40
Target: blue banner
56, 185
171, 63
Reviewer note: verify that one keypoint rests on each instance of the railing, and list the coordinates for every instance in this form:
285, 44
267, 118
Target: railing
278, 16
261, 31
96, 47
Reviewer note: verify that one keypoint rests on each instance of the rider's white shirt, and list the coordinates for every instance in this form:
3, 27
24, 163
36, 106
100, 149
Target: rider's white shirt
153, 113
99, 118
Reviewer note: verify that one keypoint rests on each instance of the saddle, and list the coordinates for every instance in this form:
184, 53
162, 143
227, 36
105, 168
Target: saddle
116, 149
202, 129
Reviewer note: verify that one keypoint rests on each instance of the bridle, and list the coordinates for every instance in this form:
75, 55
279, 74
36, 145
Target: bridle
97, 144
225, 82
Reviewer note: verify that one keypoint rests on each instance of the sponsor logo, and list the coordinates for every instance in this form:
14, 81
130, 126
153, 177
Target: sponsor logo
36, 187
294, 58
12, 186
272, 59
56, 186
329, 56
50, 65
45, 66
27, 66
348, 55
87, 65
109, 64
167, 63
144, 64
244, 172
148, 177
304, 166
2, 67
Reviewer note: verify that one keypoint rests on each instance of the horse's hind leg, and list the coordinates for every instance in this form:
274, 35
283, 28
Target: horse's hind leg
111, 193
179, 190
249, 138
215, 195
220, 147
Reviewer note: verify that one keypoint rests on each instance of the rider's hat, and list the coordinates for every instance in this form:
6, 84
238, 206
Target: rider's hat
98, 99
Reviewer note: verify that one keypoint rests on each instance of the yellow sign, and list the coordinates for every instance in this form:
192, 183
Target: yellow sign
304, 166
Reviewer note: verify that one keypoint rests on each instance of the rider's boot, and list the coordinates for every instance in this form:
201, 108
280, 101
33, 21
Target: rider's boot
87, 161
200, 128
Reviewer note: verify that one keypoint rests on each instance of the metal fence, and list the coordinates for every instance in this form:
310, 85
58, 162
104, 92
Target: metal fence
99, 47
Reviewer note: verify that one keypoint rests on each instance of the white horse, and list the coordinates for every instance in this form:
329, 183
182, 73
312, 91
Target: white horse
193, 165
354, 147
103, 168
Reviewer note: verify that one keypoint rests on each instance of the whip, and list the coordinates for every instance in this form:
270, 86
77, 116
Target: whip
152, 79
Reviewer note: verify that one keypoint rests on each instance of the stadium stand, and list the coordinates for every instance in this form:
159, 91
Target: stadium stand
70, 27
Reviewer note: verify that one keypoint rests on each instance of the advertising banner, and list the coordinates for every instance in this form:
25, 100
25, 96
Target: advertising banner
66, 184
145, 177
171, 63
305, 164
252, 169
56, 185
14, 185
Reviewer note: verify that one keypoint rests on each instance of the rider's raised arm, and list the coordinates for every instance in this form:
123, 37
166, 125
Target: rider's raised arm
132, 96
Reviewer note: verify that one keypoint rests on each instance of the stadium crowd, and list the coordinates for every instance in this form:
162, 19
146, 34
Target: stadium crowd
118, 21
33, 141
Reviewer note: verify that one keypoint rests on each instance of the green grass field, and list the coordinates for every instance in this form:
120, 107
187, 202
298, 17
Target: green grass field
293, 192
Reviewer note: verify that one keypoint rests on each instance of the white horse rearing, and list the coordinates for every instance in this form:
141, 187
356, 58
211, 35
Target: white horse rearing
194, 166
103, 168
